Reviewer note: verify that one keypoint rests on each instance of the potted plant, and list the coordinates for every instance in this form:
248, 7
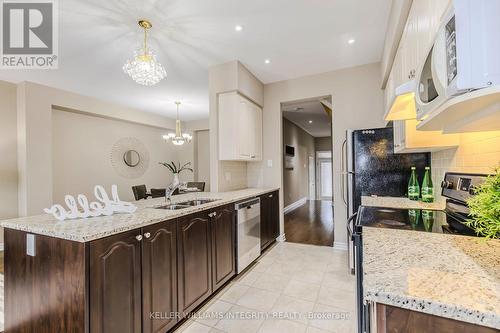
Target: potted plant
485, 207
176, 170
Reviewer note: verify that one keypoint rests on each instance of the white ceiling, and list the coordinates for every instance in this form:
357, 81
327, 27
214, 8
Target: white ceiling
300, 37
300, 113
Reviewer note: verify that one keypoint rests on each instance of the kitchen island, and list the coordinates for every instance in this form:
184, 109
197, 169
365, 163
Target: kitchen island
140, 272
431, 281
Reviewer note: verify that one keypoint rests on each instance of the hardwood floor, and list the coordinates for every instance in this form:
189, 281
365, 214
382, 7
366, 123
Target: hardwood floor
311, 223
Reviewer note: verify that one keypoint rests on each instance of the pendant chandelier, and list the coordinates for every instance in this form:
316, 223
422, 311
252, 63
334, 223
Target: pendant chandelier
143, 68
178, 138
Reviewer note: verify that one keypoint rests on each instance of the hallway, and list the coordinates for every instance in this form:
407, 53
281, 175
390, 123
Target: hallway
311, 223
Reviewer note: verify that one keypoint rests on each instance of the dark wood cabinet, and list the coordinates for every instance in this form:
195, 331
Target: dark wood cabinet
223, 246
269, 218
143, 280
392, 319
132, 276
159, 277
206, 255
194, 260
115, 284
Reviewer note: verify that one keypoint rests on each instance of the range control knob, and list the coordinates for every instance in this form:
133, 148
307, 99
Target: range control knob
472, 190
446, 184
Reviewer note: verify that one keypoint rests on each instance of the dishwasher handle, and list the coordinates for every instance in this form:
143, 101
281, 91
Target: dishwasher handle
247, 204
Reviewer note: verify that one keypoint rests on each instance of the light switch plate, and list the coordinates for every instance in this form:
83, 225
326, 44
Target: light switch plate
269, 163
30, 245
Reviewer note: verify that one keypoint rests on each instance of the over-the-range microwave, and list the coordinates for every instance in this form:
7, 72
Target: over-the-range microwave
465, 55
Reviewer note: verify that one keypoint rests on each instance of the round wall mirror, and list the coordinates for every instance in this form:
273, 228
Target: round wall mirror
131, 158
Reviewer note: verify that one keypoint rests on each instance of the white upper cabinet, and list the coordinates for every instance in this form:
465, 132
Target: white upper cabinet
407, 139
240, 128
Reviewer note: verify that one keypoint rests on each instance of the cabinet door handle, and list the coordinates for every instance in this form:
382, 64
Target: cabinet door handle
147, 234
138, 237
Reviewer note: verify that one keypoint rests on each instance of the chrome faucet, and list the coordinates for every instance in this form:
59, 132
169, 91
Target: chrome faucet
170, 190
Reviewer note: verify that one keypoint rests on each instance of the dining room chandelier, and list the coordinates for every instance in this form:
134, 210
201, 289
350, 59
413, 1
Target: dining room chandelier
178, 138
143, 68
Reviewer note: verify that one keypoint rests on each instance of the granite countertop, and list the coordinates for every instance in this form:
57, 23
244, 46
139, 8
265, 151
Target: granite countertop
84, 230
401, 202
450, 276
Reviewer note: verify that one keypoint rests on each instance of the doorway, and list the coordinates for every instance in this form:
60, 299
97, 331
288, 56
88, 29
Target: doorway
308, 171
325, 175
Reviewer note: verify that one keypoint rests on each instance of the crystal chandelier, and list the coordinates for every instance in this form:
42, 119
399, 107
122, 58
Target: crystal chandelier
143, 67
178, 138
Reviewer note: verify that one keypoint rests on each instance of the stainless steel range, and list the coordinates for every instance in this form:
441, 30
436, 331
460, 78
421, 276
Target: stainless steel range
456, 187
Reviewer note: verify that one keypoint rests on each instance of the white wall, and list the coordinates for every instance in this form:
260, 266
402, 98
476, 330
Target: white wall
82, 146
34, 127
357, 103
202, 158
8, 151
296, 180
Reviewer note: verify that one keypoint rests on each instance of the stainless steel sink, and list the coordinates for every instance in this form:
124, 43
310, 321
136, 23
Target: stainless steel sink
197, 202
173, 207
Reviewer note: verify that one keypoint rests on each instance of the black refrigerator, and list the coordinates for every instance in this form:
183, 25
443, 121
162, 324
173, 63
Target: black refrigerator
370, 167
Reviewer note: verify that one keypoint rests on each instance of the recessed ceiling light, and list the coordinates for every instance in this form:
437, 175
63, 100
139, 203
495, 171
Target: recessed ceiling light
238, 28
267, 61
310, 121
351, 41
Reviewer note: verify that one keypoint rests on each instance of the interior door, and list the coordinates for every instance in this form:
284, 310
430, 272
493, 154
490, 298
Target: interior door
325, 179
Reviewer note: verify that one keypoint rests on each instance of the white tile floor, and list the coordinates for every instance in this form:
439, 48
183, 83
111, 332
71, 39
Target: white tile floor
293, 288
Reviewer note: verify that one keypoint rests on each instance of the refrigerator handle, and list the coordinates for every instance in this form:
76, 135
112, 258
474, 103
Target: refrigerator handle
350, 229
344, 171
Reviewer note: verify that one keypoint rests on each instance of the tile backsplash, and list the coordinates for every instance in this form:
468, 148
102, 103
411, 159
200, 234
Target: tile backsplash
477, 153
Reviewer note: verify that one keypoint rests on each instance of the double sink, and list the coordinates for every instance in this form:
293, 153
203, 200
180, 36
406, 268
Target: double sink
186, 204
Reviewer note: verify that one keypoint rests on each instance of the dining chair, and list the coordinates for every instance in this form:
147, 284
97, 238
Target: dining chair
140, 192
157, 192
199, 185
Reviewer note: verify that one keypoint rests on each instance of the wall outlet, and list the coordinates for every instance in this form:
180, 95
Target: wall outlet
30, 245
227, 176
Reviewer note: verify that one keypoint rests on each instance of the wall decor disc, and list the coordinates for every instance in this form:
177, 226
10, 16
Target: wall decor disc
130, 158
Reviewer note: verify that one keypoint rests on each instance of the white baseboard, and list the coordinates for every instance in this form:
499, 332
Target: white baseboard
340, 246
281, 238
295, 205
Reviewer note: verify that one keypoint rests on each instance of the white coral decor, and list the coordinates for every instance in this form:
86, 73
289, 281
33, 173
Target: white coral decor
103, 206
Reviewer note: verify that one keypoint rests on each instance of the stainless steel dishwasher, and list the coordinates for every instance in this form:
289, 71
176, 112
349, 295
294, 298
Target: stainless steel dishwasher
248, 230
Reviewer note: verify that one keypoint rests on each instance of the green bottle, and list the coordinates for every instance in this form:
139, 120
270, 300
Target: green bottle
413, 217
428, 219
427, 188
413, 187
